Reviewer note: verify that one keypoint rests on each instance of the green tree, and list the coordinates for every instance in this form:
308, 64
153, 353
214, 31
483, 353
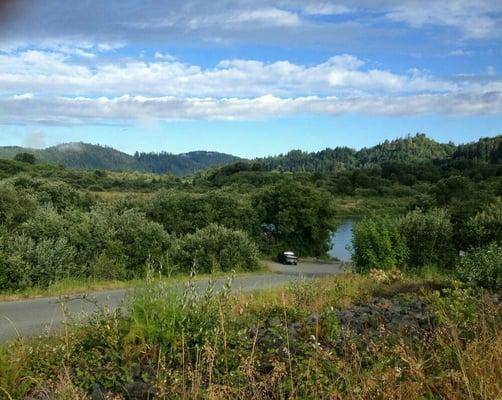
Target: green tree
297, 217
486, 226
378, 244
429, 238
25, 157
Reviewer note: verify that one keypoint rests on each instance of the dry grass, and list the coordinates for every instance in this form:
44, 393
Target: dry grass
461, 359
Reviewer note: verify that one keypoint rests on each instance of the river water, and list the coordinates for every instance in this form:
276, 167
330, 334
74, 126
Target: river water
341, 240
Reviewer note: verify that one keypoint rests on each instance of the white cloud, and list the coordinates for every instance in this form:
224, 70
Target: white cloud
244, 18
459, 53
326, 9
66, 110
56, 73
54, 87
35, 138
268, 16
473, 17
164, 56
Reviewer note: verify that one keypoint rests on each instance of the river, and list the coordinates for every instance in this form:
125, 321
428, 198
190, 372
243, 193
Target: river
340, 240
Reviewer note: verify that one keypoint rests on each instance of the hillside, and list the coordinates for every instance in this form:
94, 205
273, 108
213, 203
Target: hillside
89, 156
410, 149
416, 148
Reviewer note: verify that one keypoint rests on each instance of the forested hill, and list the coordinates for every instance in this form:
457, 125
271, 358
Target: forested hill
88, 156
410, 149
418, 148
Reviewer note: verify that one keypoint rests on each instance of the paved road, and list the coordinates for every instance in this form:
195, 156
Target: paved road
36, 316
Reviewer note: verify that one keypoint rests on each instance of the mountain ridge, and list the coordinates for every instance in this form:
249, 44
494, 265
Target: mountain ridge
88, 156
417, 148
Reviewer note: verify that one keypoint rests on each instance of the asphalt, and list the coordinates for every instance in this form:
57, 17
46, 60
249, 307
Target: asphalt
47, 315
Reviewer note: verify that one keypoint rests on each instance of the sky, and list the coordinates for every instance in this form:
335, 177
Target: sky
248, 77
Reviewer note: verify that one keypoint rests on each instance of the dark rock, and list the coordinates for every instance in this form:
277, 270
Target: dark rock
294, 328
266, 367
139, 391
312, 319
274, 322
97, 393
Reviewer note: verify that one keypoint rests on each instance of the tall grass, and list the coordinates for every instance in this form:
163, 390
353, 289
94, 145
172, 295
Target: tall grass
211, 344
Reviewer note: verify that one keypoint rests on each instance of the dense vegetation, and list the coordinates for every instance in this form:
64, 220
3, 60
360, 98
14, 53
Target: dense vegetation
422, 319
87, 156
377, 336
411, 149
58, 223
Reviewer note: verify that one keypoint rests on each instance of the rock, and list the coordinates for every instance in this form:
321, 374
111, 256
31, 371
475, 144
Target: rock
274, 322
266, 367
294, 328
395, 315
312, 319
139, 391
97, 393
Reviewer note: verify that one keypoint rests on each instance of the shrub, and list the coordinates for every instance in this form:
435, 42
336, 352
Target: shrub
216, 248
141, 240
27, 262
25, 157
378, 244
16, 206
59, 194
429, 238
482, 266
486, 226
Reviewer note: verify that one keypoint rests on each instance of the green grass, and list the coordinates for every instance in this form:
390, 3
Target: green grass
360, 206
213, 346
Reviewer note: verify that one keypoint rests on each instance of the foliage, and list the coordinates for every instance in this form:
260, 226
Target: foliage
378, 244
25, 157
215, 248
88, 156
16, 206
287, 343
429, 237
416, 148
26, 263
183, 212
297, 217
482, 266
486, 226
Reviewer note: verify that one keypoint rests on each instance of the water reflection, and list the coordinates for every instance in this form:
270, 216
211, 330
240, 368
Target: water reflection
340, 240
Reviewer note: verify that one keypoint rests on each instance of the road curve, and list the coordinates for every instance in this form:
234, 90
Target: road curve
45, 315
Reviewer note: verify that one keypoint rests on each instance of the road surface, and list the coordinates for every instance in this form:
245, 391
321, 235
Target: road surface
45, 315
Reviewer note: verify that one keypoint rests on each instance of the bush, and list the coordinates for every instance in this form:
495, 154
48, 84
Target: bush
482, 266
486, 226
429, 238
378, 245
25, 157
16, 206
216, 248
28, 263
59, 194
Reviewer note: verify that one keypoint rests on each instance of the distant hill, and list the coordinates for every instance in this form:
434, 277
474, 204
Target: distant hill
89, 156
418, 148
485, 149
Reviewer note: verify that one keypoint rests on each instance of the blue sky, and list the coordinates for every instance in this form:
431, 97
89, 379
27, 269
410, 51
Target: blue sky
248, 78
